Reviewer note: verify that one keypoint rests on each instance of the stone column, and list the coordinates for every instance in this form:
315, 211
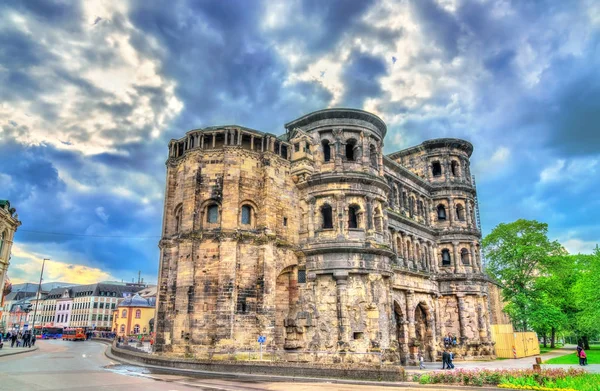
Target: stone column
341, 279
480, 321
455, 256
214, 140
441, 329
339, 216
369, 203
434, 258
461, 315
311, 216
252, 143
451, 211
380, 157
474, 259
410, 314
394, 241
202, 142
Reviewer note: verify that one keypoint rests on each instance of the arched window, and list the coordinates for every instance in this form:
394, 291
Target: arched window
136, 329
350, 144
246, 214
441, 212
464, 256
353, 216
460, 212
138, 314
436, 169
446, 261
326, 150
124, 314
373, 155
212, 214
327, 217
454, 167
122, 328
178, 213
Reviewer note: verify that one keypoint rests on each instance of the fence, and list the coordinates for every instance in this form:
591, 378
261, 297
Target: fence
511, 344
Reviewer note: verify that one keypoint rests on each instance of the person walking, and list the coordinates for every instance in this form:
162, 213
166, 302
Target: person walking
450, 359
421, 361
33, 340
445, 359
13, 339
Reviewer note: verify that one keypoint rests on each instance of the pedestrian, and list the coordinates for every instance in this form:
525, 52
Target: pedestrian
444, 359
450, 360
583, 358
33, 340
421, 361
13, 339
579, 350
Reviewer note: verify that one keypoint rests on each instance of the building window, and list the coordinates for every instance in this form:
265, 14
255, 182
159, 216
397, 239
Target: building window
441, 212
464, 256
101, 305
136, 329
326, 151
454, 168
301, 276
122, 328
212, 214
105, 318
353, 216
297, 147
373, 156
436, 169
460, 212
285, 221
2, 239
93, 317
446, 261
350, 145
326, 215
246, 214
124, 314
138, 314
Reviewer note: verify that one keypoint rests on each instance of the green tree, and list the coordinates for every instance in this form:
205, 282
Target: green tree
586, 296
516, 254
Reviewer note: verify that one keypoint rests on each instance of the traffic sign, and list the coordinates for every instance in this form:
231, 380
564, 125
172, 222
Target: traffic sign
262, 339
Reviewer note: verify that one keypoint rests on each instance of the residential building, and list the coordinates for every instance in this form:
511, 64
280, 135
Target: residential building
134, 316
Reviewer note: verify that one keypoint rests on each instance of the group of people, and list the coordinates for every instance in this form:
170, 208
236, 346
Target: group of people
450, 340
25, 340
447, 360
582, 356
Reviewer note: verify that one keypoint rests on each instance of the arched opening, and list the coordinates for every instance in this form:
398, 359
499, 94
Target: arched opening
326, 150
423, 332
353, 216
460, 212
350, 145
373, 156
286, 296
454, 168
446, 261
436, 169
441, 212
212, 214
464, 256
401, 332
327, 216
178, 215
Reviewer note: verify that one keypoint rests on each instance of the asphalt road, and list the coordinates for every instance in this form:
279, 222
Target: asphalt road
67, 365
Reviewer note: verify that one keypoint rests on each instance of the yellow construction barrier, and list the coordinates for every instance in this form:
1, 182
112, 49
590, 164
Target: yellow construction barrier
510, 344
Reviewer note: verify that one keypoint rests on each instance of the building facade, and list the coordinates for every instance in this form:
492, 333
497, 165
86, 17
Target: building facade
320, 242
134, 316
9, 222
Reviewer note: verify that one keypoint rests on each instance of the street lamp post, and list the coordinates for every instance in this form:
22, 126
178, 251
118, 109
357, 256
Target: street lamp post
38, 295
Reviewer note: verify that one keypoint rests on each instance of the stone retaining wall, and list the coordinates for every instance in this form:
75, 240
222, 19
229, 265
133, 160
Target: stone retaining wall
342, 371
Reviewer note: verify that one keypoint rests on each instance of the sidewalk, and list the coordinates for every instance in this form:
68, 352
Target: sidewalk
518, 363
8, 351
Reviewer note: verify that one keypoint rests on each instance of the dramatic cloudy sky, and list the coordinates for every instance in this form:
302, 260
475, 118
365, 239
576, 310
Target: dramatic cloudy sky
91, 92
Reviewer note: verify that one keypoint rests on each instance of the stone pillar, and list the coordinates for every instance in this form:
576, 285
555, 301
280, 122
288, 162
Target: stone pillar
410, 314
441, 329
455, 256
474, 264
481, 327
311, 216
451, 211
341, 279
434, 258
369, 203
202, 142
239, 137
394, 241
380, 157
214, 140
339, 216
415, 252
468, 213
252, 143
461, 315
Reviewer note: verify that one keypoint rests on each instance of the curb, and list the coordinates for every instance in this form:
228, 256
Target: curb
33, 349
279, 378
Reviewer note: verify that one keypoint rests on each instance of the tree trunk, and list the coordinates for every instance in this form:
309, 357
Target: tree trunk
544, 339
552, 337
586, 342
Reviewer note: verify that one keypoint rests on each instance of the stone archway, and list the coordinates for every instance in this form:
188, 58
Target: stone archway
424, 331
401, 333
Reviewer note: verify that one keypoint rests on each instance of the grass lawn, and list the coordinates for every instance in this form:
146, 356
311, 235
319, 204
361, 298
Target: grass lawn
593, 356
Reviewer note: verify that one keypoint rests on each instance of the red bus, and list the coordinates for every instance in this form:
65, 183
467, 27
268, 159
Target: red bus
73, 334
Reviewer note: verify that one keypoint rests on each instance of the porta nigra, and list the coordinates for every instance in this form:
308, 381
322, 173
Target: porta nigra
323, 244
